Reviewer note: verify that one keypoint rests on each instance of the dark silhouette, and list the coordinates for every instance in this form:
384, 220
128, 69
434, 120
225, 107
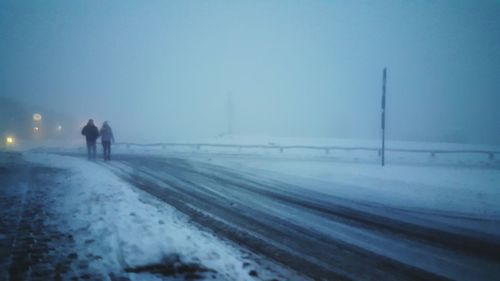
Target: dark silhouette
106, 139
91, 134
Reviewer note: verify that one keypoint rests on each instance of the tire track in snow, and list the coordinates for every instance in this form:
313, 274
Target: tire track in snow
302, 249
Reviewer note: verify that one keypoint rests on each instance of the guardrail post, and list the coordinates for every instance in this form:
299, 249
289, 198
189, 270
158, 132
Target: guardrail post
327, 151
198, 147
379, 152
163, 147
433, 154
281, 149
492, 156
128, 146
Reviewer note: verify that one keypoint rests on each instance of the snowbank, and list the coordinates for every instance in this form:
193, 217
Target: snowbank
124, 228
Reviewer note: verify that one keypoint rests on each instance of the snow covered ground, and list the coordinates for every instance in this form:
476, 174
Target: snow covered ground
461, 183
132, 230
467, 184
129, 230
474, 191
444, 243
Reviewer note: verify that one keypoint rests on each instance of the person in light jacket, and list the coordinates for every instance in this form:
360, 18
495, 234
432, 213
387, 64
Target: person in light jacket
106, 139
91, 134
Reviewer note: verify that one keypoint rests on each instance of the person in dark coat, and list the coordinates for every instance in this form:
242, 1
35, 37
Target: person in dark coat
91, 134
106, 139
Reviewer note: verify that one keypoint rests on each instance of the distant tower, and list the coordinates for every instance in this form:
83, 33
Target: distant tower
230, 113
384, 82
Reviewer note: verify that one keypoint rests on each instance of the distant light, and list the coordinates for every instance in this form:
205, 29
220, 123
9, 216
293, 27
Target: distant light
9, 140
59, 128
37, 117
36, 129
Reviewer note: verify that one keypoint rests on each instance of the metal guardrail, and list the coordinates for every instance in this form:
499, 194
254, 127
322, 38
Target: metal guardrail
327, 149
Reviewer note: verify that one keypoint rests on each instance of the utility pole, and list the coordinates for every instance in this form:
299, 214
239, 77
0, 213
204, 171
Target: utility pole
384, 81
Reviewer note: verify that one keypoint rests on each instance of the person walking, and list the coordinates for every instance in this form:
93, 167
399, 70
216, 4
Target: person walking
106, 139
91, 134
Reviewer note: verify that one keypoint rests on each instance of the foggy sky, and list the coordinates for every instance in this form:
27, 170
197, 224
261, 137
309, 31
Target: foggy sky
160, 70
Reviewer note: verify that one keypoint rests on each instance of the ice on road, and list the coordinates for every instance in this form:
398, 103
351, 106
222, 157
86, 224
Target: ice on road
247, 218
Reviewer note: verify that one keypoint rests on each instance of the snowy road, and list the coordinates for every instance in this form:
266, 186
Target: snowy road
321, 236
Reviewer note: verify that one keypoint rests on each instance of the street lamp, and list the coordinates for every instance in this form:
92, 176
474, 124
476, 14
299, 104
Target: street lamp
59, 128
9, 140
37, 117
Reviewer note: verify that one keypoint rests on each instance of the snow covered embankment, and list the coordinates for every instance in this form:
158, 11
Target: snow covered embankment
128, 230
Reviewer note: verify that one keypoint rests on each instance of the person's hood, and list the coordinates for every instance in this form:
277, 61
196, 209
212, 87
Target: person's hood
105, 125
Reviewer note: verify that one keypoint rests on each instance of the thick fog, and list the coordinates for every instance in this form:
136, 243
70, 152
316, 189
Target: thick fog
168, 70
